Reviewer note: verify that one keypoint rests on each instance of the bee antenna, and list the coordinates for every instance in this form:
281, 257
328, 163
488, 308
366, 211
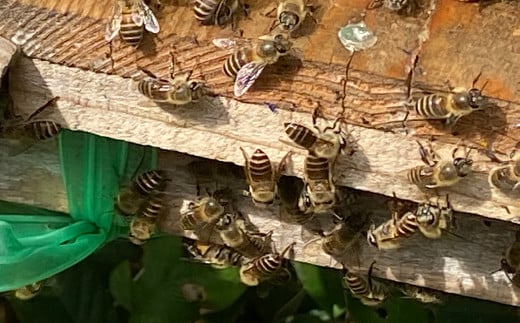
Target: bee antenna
476, 79
483, 86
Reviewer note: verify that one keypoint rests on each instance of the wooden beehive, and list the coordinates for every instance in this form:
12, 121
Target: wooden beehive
65, 55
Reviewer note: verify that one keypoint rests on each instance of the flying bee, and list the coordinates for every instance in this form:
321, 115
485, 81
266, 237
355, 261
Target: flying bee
130, 198
234, 234
262, 176
291, 13
325, 143
434, 218
217, 12
247, 62
319, 185
218, 256
439, 172
389, 234
450, 107
268, 267
129, 19
177, 90
369, 292
143, 225
505, 177
421, 294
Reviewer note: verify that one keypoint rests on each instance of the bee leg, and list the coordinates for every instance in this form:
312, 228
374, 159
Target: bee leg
283, 164
451, 88
425, 155
49, 103
374, 4
270, 13
315, 114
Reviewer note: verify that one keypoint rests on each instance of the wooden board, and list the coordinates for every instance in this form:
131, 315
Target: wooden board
7, 50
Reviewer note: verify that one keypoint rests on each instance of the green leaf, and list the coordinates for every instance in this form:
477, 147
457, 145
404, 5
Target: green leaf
121, 285
323, 285
291, 307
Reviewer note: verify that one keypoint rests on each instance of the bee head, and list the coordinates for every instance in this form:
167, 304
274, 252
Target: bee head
463, 166
427, 213
282, 43
395, 4
198, 89
225, 221
288, 20
213, 207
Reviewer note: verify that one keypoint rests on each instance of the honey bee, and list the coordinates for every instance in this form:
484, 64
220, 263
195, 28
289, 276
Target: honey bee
369, 292
511, 262
319, 186
451, 107
177, 90
262, 176
234, 234
432, 219
439, 172
143, 225
290, 190
218, 256
203, 211
506, 177
268, 267
217, 12
129, 19
344, 238
291, 13
325, 143
29, 291
421, 294
130, 198
389, 234
401, 6
247, 62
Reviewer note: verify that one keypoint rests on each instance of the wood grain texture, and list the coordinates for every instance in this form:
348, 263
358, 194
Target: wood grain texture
7, 50
450, 264
454, 40
33, 176
107, 105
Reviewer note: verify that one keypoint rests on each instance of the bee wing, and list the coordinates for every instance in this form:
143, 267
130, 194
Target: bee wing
138, 12
114, 22
150, 21
225, 43
247, 76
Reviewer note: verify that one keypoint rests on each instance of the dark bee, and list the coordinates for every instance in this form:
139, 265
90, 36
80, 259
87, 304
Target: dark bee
325, 143
439, 172
262, 176
319, 185
370, 293
247, 62
268, 267
234, 234
450, 107
346, 237
129, 19
216, 12
511, 262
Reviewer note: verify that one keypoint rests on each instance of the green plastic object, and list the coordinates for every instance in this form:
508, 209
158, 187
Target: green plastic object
36, 244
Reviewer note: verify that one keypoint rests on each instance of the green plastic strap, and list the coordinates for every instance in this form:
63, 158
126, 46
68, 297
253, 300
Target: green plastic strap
38, 244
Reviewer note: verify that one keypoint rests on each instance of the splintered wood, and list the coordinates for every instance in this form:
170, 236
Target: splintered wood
455, 41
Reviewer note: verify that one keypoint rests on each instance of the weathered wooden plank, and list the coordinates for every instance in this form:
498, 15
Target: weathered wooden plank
451, 264
107, 105
7, 50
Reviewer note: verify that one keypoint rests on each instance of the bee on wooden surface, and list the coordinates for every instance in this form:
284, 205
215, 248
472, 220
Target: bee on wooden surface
325, 143
291, 13
346, 237
400, 6
369, 292
247, 62
511, 262
130, 198
218, 256
269, 267
177, 90
217, 12
505, 177
450, 107
290, 190
262, 176
143, 225
439, 172
233, 232
389, 234
434, 218
319, 185
421, 294
129, 19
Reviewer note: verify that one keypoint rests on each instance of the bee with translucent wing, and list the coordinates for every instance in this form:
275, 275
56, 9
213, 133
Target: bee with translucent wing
421, 294
319, 185
268, 267
262, 176
217, 12
505, 177
440, 172
129, 19
248, 61
291, 13
370, 293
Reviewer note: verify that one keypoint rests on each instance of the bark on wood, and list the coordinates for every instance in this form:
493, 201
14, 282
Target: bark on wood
215, 128
7, 50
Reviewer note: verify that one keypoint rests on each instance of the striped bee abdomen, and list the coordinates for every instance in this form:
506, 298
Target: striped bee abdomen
150, 181
155, 89
268, 264
356, 284
301, 135
260, 167
44, 129
129, 31
432, 106
316, 168
236, 60
420, 175
204, 10
152, 208
407, 225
